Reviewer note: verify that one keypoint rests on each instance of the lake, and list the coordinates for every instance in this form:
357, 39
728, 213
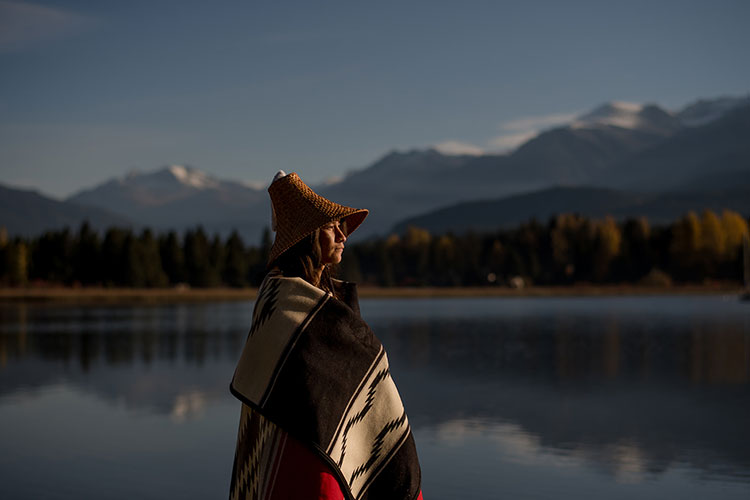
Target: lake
523, 398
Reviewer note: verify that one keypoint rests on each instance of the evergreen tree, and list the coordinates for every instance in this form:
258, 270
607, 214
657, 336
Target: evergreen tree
134, 270
216, 257
88, 254
235, 265
52, 257
153, 272
637, 258
114, 272
200, 272
172, 258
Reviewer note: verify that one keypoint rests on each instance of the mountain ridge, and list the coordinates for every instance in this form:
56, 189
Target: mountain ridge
591, 150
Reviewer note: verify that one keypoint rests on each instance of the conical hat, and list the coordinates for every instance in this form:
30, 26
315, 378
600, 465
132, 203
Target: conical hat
299, 211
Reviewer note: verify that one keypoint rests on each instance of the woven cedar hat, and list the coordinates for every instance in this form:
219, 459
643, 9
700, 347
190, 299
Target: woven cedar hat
298, 211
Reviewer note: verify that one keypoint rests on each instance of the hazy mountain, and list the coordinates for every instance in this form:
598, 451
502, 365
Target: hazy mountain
624, 147
28, 213
700, 152
647, 118
594, 149
593, 202
705, 111
179, 197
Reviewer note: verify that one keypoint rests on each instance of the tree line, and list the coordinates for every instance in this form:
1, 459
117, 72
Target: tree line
566, 250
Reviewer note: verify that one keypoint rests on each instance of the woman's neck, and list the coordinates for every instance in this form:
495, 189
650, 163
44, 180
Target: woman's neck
317, 274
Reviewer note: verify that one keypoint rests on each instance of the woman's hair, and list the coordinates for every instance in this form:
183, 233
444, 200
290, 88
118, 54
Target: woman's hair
303, 259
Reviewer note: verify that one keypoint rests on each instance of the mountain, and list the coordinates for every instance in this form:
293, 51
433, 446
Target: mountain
717, 147
705, 111
592, 202
28, 213
631, 116
179, 197
624, 147
599, 148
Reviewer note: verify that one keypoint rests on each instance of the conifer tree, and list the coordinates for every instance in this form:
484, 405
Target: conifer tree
172, 258
113, 257
235, 265
88, 254
153, 272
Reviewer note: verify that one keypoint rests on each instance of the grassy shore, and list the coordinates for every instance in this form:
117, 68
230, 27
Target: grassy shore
94, 295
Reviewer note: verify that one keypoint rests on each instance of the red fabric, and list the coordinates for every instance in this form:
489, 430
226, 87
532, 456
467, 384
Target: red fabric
300, 474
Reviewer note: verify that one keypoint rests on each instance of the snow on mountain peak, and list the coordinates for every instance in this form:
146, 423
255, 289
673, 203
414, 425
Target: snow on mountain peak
192, 177
617, 113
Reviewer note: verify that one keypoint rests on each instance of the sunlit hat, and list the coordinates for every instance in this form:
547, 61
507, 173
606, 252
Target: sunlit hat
298, 211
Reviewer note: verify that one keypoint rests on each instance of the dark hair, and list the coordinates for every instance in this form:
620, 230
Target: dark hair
303, 259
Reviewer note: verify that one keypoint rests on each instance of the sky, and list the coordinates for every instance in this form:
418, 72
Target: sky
93, 89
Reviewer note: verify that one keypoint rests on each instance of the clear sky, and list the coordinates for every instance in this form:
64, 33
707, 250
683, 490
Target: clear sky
91, 89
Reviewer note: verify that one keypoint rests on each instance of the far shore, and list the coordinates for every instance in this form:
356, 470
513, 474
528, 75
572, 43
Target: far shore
99, 295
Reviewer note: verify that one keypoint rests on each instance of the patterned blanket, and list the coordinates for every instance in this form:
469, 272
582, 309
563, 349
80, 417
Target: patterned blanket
313, 367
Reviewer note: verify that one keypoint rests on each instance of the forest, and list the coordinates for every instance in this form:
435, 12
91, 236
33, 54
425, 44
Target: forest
566, 250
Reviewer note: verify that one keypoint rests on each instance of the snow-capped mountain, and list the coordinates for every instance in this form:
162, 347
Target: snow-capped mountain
192, 177
633, 116
617, 113
177, 196
617, 145
156, 188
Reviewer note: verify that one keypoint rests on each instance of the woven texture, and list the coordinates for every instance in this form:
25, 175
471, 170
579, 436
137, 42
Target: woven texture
313, 368
299, 211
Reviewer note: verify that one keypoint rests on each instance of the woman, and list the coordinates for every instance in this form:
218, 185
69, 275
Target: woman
321, 416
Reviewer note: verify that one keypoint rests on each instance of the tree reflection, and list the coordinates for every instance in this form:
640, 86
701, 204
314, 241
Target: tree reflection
635, 393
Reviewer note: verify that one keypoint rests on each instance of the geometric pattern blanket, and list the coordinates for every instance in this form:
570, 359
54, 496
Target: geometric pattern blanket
313, 368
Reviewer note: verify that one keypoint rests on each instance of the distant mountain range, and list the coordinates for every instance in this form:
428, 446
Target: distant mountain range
179, 197
29, 213
620, 158
592, 202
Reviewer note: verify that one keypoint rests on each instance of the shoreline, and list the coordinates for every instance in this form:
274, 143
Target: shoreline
99, 295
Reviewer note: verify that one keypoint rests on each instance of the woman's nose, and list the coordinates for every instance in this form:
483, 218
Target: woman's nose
340, 236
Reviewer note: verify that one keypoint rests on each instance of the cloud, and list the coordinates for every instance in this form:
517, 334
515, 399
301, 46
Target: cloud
451, 147
503, 143
520, 130
25, 24
515, 133
538, 122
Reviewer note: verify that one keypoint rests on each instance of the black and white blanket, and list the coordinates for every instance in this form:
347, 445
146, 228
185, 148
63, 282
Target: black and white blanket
314, 368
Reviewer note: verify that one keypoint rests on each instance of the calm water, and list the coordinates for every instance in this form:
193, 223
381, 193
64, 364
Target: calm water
508, 398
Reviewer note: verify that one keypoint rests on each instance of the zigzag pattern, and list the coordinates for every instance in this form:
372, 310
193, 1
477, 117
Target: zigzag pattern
246, 484
378, 445
356, 418
265, 305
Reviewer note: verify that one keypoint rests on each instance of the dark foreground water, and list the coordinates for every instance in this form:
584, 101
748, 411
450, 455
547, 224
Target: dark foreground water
508, 398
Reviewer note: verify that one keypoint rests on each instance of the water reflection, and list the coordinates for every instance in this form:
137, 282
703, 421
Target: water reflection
169, 359
632, 389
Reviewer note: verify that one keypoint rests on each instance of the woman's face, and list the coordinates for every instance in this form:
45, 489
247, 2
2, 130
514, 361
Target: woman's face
331, 238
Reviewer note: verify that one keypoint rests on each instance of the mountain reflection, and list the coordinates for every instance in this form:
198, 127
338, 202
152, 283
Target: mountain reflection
633, 393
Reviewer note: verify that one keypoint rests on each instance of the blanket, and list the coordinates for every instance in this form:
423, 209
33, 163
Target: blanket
313, 368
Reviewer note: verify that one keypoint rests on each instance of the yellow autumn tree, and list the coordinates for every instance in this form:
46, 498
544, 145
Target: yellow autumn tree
734, 227
608, 241
685, 245
712, 238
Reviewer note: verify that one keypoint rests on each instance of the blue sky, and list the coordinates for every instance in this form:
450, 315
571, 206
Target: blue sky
91, 89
